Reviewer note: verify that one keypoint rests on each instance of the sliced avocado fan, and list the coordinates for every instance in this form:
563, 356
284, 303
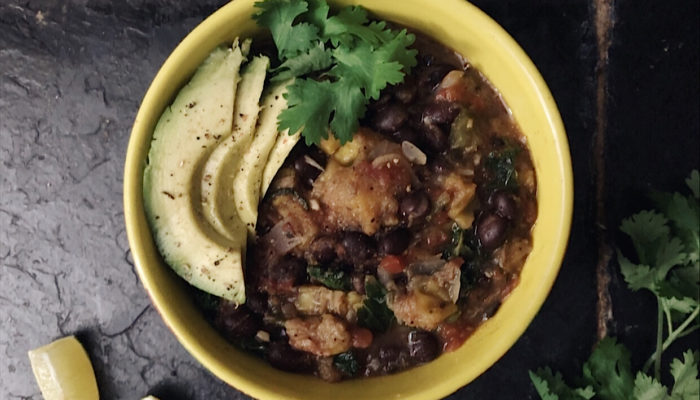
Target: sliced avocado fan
213, 155
220, 169
187, 132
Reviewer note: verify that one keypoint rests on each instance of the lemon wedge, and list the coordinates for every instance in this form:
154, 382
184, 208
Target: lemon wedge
63, 371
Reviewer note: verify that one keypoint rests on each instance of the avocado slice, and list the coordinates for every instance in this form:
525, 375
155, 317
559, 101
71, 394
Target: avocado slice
248, 180
281, 149
187, 132
219, 170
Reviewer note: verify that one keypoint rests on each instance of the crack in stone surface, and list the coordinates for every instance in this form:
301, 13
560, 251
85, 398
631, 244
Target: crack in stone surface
128, 327
604, 23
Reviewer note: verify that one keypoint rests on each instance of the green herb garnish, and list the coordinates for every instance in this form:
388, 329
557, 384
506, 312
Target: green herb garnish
667, 243
346, 363
332, 279
500, 165
375, 315
461, 244
354, 58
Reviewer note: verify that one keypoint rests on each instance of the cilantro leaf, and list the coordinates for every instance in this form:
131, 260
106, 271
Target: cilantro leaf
609, 372
332, 279
354, 57
367, 68
648, 230
348, 25
648, 388
684, 212
375, 314
383, 33
316, 58
309, 106
317, 14
346, 363
637, 276
500, 166
551, 386
685, 375
542, 386
301, 38
349, 103
682, 282
279, 15
666, 243
681, 305
314, 105
396, 49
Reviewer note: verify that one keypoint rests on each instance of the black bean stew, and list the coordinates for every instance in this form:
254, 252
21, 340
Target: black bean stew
379, 255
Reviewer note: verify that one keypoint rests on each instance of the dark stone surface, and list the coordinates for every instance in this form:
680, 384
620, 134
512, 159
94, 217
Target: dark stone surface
653, 138
72, 75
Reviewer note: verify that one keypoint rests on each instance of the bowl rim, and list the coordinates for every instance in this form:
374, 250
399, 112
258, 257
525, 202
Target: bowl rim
133, 200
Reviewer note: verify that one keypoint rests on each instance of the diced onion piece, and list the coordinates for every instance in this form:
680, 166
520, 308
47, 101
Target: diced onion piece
262, 336
314, 205
386, 160
387, 279
413, 153
313, 163
281, 241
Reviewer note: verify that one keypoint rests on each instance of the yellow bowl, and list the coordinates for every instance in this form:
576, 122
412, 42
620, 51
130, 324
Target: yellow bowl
486, 45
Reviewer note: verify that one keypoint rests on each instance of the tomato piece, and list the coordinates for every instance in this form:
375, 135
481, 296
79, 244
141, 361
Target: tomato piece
393, 264
361, 338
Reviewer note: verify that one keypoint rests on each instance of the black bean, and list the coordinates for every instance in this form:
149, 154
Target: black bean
284, 274
390, 118
434, 137
491, 309
323, 250
383, 100
395, 241
422, 346
414, 206
425, 59
358, 246
491, 231
237, 322
306, 171
256, 301
405, 133
433, 75
503, 204
393, 358
442, 112
317, 155
405, 92
281, 355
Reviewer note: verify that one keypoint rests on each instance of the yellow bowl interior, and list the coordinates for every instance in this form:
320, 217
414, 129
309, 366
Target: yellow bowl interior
487, 46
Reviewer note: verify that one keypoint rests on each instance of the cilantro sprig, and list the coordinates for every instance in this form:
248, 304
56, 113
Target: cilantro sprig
339, 61
667, 246
375, 314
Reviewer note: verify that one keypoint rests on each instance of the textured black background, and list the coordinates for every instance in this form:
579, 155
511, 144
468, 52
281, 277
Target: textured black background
72, 74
